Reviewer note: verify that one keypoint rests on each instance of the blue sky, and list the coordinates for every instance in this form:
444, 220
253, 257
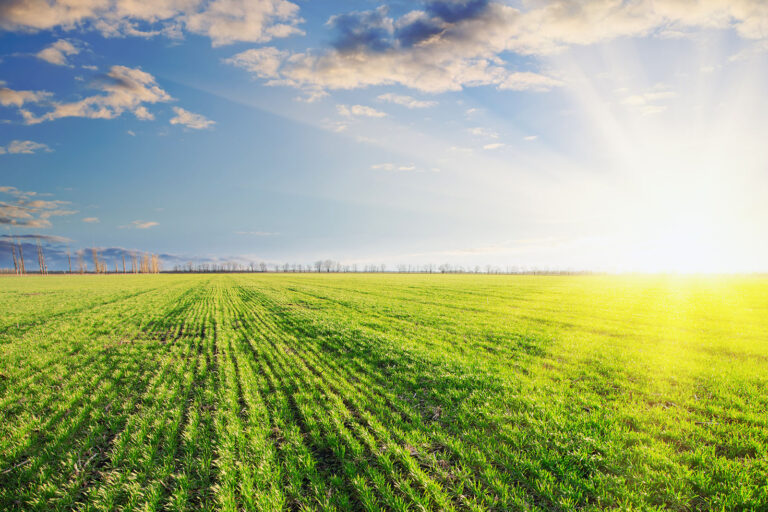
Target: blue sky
600, 135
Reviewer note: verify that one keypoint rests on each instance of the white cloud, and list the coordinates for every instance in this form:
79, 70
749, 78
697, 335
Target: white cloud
190, 119
58, 52
495, 145
406, 101
124, 89
258, 21
143, 113
91, 220
263, 62
223, 21
359, 111
530, 138
25, 147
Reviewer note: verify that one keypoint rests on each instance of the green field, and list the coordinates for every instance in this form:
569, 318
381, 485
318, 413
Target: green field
383, 392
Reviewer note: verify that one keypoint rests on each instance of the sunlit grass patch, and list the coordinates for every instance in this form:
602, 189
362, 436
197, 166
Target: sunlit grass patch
383, 392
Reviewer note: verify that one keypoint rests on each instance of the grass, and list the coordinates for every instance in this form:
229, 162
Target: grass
383, 392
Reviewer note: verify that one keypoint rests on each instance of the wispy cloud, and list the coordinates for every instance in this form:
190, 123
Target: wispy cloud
91, 220
44, 238
387, 166
140, 224
262, 62
124, 89
529, 81
359, 111
25, 210
495, 145
24, 147
756, 49
650, 102
406, 101
480, 131
190, 119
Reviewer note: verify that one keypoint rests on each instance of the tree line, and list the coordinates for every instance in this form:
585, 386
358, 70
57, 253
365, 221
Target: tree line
332, 266
93, 261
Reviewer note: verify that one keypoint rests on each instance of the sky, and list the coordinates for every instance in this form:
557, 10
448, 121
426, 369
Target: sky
602, 135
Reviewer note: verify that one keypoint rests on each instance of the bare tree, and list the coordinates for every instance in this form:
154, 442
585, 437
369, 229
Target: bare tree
41, 259
95, 256
21, 259
15, 262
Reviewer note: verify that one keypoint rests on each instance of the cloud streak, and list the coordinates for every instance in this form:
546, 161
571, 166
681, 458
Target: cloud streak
25, 210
